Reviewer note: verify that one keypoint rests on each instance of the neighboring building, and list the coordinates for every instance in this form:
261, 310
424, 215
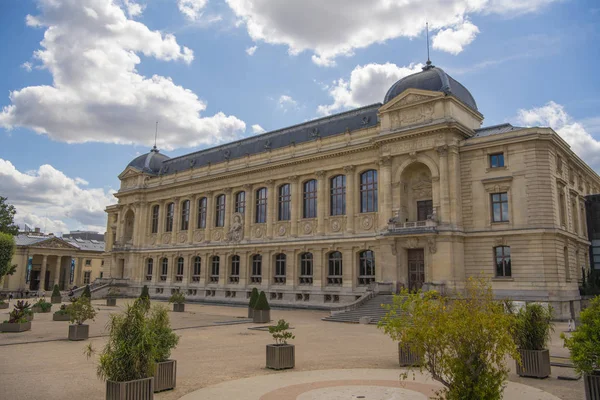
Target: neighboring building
45, 260
411, 192
593, 223
86, 235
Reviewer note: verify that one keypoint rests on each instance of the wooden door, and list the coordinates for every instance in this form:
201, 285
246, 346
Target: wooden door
424, 209
416, 269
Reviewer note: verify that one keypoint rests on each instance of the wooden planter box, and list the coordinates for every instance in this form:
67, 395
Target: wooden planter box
178, 307
111, 301
4, 306
38, 309
407, 357
165, 377
141, 389
79, 332
61, 317
22, 327
534, 363
29, 317
281, 356
261, 316
250, 312
56, 299
592, 386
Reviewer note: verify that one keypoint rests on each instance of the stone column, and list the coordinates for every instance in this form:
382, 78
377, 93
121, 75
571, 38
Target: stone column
193, 218
162, 216
321, 202
248, 212
209, 216
244, 268
349, 268
224, 269
291, 269
57, 271
139, 232
43, 274
444, 215
319, 273
119, 228
23, 272
350, 198
454, 182
187, 267
176, 220
385, 206
271, 202
267, 269
228, 210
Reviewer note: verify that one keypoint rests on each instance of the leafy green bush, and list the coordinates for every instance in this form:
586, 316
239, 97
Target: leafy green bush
177, 298
280, 332
145, 293
590, 284
113, 292
81, 310
55, 291
533, 326
7, 250
19, 313
63, 310
584, 343
87, 292
262, 303
43, 305
253, 298
166, 339
463, 341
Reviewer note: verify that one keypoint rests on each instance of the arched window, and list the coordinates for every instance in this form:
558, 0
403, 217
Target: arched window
179, 271
503, 264
220, 210
338, 195
306, 269
280, 261
261, 206
309, 195
214, 270
334, 276
149, 268
234, 276
285, 201
256, 275
201, 224
155, 210
368, 191
185, 215
164, 269
197, 269
366, 267
169, 217
240, 202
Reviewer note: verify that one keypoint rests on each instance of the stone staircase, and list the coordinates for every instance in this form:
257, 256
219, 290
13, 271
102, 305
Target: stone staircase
371, 309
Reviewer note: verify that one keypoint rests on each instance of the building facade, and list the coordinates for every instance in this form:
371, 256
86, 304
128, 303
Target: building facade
411, 192
593, 222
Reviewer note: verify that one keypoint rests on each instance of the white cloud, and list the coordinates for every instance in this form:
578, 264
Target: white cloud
368, 84
573, 132
251, 50
332, 28
287, 102
256, 128
133, 9
48, 197
90, 47
192, 9
27, 66
453, 40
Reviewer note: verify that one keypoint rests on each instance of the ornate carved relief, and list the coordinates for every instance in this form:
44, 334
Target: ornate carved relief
54, 244
198, 236
182, 237
409, 146
236, 230
422, 187
307, 228
412, 115
166, 238
281, 231
412, 98
153, 240
411, 243
500, 241
336, 225
217, 236
258, 232
432, 245
366, 222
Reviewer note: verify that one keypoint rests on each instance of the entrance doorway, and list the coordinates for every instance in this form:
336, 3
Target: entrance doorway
416, 269
424, 209
34, 280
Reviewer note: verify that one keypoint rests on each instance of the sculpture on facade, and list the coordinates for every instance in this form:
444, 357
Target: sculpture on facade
236, 231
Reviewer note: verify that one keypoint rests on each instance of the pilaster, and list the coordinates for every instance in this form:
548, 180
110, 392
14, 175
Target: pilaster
350, 198
271, 202
321, 202
295, 205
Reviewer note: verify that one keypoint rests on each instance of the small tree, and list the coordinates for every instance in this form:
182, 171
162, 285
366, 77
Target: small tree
7, 216
177, 298
533, 326
253, 298
145, 293
81, 310
584, 343
280, 332
55, 291
262, 304
463, 341
166, 339
7, 250
87, 292
43, 305
20, 312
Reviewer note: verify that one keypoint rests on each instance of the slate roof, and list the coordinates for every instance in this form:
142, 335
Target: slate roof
150, 162
83, 244
495, 129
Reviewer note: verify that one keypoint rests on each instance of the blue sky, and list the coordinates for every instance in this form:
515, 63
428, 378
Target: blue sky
85, 101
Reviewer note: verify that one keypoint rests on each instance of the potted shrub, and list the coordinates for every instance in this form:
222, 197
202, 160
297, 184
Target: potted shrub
28, 313
42, 306
80, 311
584, 345
165, 375
3, 305
145, 293
281, 355
17, 321
87, 292
533, 326
62, 314
111, 298
178, 300
262, 311
56, 297
252, 302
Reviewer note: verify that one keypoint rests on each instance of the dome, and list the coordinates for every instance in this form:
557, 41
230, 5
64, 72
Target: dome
150, 162
434, 79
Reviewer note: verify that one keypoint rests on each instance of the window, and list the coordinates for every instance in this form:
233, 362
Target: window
424, 209
366, 267
165, 269
234, 277
86, 277
497, 160
201, 224
261, 206
306, 269
101, 274
185, 215
310, 199
197, 269
169, 217
368, 191
499, 207
338, 195
280, 260
285, 200
155, 210
220, 211
240, 202
562, 205
179, 271
575, 217
88, 262
256, 276
567, 266
334, 276
502, 256
149, 268
214, 271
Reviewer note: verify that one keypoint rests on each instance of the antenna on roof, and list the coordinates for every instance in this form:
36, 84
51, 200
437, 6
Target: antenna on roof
155, 136
428, 63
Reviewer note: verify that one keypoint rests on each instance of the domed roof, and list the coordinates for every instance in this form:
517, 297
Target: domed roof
434, 79
150, 162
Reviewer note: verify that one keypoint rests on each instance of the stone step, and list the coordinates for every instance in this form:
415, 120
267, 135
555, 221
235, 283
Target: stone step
371, 308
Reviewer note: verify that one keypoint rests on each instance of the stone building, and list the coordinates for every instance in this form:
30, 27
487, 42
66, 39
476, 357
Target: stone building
410, 193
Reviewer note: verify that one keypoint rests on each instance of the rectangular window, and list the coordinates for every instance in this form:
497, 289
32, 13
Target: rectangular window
306, 269
197, 268
214, 271
368, 191
185, 215
562, 205
88, 262
169, 217
499, 207
503, 265
86, 277
285, 201
424, 209
155, 210
261, 206
220, 209
234, 276
497, 160
256, 276
202, 213
338, 195
240, 202
310, 199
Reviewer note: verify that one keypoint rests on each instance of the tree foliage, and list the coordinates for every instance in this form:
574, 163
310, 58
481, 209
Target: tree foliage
533, 326
584, 343
81, 310
253, 298
87, 292
7, 250
7, 216
262, 303
55, 291
280, 332
463, 340
166, 339
145, 293
177, 298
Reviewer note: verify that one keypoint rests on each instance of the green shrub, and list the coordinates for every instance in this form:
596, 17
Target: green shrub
55, 291
280, 332
533, 326
7, 250
113, 292
262, 303
87, 292
81, 310
63, 310
43, 305
177, 298
166, 339
590, 284
145, 293
253, 298
18, 314
584, 343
